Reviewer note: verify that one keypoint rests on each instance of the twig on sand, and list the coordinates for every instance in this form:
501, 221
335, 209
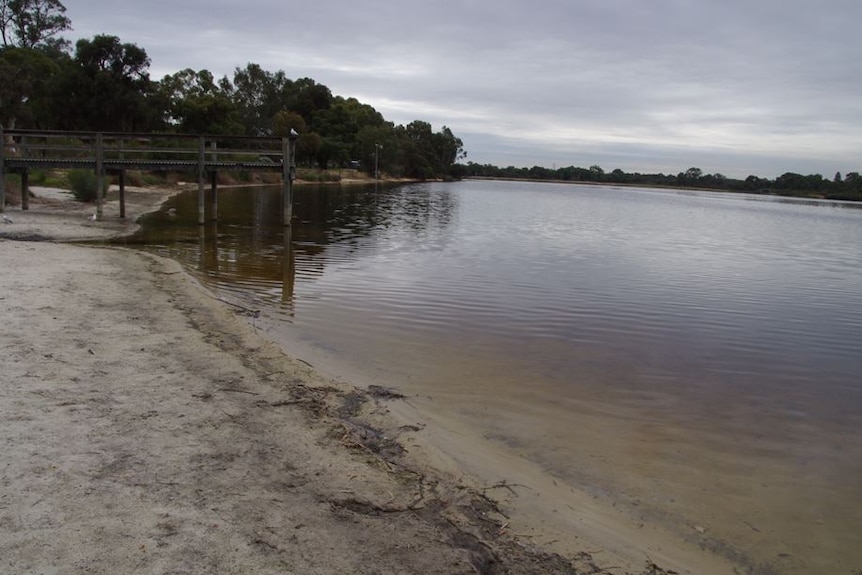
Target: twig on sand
237, 390
288, 402
246, 310
504, 485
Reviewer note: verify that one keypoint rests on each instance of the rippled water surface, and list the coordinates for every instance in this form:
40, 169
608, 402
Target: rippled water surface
722, 330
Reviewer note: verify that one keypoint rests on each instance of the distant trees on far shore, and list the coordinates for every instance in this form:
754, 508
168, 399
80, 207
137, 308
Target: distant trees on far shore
848, 187
103, 84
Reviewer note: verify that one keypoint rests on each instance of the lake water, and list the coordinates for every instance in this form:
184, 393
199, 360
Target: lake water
691, 357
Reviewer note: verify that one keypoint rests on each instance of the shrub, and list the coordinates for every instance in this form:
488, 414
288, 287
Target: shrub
84, 185
134, 178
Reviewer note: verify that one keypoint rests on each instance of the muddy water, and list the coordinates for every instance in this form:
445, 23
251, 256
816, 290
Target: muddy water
690, 360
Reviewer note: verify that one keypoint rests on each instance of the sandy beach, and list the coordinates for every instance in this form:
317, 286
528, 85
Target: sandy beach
149, 427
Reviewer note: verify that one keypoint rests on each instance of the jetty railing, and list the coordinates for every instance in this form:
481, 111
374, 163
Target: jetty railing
113, 153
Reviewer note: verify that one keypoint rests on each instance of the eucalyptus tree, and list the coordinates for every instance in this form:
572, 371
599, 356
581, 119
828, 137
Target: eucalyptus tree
195, 103
33, 23
106, 86
24, 75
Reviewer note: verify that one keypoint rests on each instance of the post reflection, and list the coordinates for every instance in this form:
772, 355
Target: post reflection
288, 268
208, 249
249, 252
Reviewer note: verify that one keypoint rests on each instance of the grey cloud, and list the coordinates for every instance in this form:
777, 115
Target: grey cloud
738, 84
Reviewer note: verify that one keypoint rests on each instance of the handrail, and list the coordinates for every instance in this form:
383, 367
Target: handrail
23, 149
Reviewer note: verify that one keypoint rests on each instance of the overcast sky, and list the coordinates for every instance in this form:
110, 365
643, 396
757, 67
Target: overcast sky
737, 87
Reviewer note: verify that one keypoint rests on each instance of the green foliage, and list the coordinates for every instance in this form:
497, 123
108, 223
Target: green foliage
105, 86
24, 74
788, 184
84, 185
33, 23
321, 176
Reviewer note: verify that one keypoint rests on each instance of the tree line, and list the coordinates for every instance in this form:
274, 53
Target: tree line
848, 187
103, 84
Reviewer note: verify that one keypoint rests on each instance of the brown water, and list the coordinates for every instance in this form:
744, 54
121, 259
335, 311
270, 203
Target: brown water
690, 359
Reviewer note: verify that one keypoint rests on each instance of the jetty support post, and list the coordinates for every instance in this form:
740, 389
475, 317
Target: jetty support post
25, 186
214, 180
121, 182
25, 178
201, 181
2, 171
288, 173
100, 177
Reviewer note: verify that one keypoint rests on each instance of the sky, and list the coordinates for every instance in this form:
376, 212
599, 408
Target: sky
736, 87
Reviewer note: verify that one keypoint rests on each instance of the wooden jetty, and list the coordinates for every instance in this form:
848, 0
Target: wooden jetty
113, 153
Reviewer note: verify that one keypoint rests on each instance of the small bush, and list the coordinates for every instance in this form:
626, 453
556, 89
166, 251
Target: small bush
134, 178
84, 185
38, 177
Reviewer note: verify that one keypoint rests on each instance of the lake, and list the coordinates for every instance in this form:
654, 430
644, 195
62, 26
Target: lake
691, 358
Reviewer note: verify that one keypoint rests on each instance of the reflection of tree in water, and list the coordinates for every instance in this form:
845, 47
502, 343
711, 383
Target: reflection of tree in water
331, 215
245, 250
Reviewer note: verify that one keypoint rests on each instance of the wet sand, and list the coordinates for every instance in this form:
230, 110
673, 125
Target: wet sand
739, 481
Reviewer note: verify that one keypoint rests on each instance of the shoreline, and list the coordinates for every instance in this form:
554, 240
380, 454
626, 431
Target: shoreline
361, 429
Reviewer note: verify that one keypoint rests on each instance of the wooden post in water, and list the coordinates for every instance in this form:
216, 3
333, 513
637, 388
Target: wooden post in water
288, 173
214, 180
100, 176
201, 181
2, 171
25, 184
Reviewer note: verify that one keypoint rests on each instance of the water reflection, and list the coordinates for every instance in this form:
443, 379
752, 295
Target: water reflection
249, 252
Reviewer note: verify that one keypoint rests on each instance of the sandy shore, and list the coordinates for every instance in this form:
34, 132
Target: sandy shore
148, 428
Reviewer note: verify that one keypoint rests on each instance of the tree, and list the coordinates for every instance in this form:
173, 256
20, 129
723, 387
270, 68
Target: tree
195, 103
107, 87
448, 149
306, 97
33, 23
259, 96
693, 174
754, 183
285, 121
23, 76
308, 144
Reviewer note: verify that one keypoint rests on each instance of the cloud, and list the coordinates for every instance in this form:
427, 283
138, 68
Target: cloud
751, 87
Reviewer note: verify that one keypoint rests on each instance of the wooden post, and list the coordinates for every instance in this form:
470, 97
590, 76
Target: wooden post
214, 180
288, 269
25, 178
2, 171
122, 182
214, 191
25, 184
288, 173
100, 177
201, 181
